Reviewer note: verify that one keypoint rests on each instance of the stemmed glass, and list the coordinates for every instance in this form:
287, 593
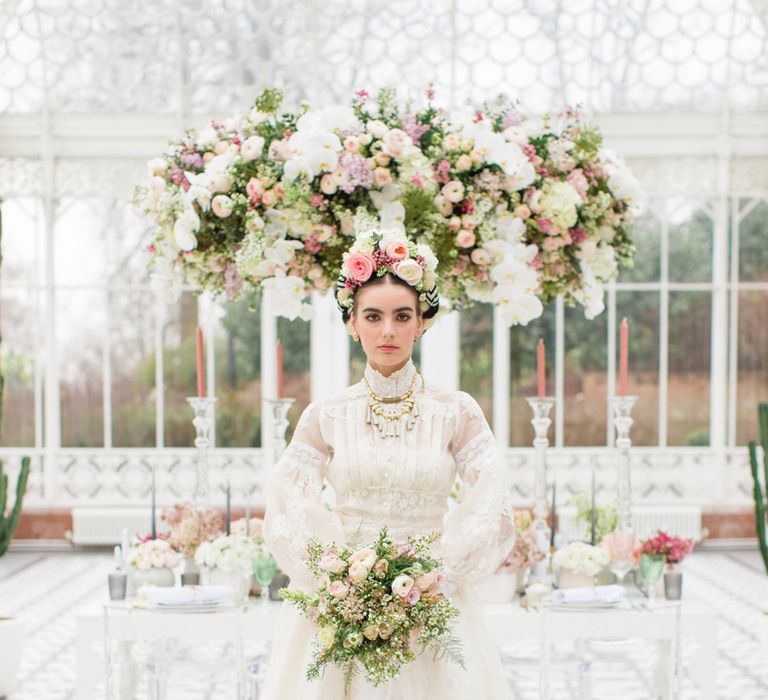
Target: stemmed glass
651, 568
264, 569
622, 543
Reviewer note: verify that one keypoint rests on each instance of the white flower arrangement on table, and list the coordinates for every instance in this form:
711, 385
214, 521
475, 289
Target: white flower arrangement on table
146, 554
229, 553
516, 213
581, 558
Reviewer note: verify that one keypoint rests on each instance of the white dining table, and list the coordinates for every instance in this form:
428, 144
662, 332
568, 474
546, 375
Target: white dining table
669, 624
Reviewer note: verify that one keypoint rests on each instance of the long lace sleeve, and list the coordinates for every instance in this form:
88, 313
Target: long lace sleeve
479, 532
294, 510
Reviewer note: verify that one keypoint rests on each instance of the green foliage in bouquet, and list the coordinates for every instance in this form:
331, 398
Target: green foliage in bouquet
760, 490
376, 607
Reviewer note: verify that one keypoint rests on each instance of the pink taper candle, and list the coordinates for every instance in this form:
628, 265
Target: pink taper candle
279, 363
623, 357
200, 364
541, 369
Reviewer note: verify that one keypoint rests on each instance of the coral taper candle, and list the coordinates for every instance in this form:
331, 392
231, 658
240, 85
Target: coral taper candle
279, 362
623, 357
541, 369
200, 364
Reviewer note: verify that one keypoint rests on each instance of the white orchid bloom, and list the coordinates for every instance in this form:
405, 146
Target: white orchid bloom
333, 118
281, 252
388, 193
392, 215
516, 308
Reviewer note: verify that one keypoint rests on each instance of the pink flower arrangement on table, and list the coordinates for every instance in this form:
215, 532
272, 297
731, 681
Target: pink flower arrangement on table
190, 526
516, 213
525, 553
148, 553
673, 549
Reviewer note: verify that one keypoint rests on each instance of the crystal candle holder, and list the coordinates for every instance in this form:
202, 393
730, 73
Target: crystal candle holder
541, 406
622, 421
203, 408
278, 411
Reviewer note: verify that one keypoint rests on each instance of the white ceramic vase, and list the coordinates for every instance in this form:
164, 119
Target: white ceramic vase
12, 634
150, 577
571, 579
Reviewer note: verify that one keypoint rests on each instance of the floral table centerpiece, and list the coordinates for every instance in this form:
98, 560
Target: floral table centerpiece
578, 563
190, 527
151, 562
227, 559
516, 212
376, 606
659, 552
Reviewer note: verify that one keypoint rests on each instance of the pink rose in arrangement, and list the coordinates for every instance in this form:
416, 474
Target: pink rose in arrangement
578, 181
330, 561
254, 187
413, 596
395, 141
480, 256
366, 556
359, 266
426, 580
338, 589
358, 572
222, 206
397, 250
402, 585
453, 191
465, 239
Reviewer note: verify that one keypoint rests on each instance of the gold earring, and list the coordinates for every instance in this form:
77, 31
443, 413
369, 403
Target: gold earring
355, 336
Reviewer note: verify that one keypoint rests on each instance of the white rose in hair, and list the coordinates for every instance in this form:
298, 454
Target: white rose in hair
409, 270
429, 257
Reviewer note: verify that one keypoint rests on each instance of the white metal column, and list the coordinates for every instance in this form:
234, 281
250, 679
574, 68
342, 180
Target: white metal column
440, 349
329, 348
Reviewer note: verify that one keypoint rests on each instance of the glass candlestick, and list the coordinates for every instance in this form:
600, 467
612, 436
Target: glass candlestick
622, 420
203, 408
278, 410
541, 407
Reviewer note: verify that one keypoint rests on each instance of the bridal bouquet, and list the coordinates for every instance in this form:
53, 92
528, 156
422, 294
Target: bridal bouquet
376, 607
516, 212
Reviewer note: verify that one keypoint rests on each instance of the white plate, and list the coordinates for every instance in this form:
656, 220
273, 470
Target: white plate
191, 607
584, 606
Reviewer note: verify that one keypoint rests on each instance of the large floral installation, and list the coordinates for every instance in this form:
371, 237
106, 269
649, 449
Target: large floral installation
517, 211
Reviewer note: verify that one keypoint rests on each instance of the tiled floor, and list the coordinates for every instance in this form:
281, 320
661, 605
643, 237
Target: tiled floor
47, 590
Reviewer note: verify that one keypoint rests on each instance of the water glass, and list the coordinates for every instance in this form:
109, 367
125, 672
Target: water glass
118, 583
651, 568
264, 570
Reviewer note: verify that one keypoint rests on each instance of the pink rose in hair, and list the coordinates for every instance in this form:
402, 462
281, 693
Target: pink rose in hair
397, 250
359, 266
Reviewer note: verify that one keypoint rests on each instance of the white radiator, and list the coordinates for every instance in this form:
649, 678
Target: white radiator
678, 520
104, 525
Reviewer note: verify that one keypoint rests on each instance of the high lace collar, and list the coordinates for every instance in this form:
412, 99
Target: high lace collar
396, 384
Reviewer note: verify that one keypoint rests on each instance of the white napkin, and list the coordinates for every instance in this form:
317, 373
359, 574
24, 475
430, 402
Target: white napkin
164, 595
591, 594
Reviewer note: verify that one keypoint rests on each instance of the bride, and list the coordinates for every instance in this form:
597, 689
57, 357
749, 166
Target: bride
391, 447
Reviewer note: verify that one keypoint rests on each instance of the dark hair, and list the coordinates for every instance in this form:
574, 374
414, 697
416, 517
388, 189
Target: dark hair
389, 278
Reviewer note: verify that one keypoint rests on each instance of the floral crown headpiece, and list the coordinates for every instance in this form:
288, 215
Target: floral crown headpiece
378, 251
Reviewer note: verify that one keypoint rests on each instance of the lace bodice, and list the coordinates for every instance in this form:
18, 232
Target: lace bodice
403, 482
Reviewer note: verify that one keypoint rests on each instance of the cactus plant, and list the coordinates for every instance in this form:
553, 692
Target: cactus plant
10, 519
760, 490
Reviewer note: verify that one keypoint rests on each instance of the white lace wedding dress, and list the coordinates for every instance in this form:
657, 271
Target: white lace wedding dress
404, 483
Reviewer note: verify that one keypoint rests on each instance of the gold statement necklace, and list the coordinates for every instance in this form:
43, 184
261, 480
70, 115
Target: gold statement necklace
386, 419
